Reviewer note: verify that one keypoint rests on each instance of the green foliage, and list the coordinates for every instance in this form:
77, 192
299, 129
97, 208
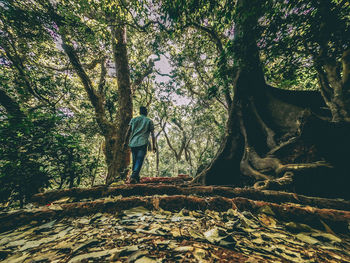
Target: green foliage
293, 33
35, 153
57, 143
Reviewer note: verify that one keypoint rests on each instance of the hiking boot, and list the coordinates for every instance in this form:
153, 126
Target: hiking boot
134, 181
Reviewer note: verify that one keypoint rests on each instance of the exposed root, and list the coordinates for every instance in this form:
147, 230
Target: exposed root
287, 181
200, 178
283, 145
282, 183
336, 219
302, 167
269, 133
247, 169
266, 164
78, 194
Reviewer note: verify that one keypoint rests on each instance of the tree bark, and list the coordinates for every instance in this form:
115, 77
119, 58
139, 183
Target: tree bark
274, 135
117, 155
233, 152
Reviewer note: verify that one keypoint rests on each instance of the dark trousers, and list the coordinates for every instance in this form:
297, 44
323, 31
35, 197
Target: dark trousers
138, 155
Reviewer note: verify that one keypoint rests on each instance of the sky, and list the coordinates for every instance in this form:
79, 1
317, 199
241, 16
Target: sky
163, 66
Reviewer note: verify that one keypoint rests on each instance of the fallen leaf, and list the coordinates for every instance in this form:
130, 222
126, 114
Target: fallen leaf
55, 207
134, 256
184, 249
86, 244
94, 255
61, 201
145, 260
267, 220
326, 237
266, 210
307, 239
136, 211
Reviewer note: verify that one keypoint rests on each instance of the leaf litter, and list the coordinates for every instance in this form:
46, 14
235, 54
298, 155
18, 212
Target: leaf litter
138, 235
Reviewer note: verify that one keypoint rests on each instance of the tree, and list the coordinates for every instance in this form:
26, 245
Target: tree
316, 34
39, 147
271, 137
111, 19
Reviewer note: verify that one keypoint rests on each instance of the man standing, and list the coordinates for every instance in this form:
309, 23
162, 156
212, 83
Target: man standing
139, 130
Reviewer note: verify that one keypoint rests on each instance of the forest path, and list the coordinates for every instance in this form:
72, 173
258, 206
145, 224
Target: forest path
164, 222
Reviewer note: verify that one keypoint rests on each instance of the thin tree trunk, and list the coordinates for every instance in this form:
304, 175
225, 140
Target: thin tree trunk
98, 160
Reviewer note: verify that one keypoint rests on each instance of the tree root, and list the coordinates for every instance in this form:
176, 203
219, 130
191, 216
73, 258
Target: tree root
283, 145
287, 181
338, 220
269, 133
281, 183
76, 194
302, 167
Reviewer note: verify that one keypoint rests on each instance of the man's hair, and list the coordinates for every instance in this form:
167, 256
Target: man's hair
143, 110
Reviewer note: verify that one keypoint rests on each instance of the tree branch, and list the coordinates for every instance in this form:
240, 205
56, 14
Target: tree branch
168, 141
103, 74
95, 98
147, 71
12, 107
346, 69
18, 64
214, 36
89, 66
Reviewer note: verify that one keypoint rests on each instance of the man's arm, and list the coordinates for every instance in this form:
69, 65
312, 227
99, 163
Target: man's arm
128, 132
154, 146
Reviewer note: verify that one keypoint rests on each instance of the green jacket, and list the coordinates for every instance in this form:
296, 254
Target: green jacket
141, 127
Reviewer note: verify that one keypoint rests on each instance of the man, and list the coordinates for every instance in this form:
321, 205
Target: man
139, 130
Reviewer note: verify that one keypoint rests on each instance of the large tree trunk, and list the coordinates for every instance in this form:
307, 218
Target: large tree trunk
271, 137
117, 156
249, 82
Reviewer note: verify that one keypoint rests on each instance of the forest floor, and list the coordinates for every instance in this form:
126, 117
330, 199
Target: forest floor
128, 223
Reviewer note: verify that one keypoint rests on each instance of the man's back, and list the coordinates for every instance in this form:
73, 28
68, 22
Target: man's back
141, 127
